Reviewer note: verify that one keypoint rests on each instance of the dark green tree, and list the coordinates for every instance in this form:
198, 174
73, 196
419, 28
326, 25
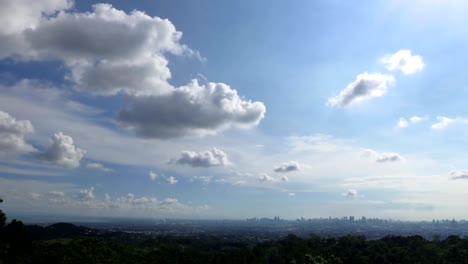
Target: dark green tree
2, 216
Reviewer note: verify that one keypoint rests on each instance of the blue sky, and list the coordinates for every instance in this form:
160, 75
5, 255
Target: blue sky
202, 109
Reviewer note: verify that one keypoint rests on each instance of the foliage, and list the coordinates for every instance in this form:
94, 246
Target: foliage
66, 243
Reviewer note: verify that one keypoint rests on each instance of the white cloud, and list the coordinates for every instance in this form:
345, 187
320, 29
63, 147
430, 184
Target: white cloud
292, 194
171, 180
203, 179
18, 15
191, 110
12, 133
152, 175
265, 178
317, 143
284, 178
405, 62
62, 151
459, 175
56, 193
287, 167
97, 166
99, 47
381, 157
57, 198
209, 158
365, 87
417, 119
404, 122
86, 194
351, 193
108, 51
444, 122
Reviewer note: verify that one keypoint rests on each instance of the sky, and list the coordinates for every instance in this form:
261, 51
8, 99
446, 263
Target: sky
234, 109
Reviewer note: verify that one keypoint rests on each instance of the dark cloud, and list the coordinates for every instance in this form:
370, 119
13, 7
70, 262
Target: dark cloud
287, 167
191, 110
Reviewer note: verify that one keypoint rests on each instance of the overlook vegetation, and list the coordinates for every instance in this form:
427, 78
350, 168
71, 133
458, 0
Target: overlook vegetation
67, 243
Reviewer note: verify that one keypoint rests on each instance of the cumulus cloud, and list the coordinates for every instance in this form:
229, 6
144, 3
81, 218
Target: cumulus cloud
107, 51
18, 15
444, 122
97, 166
403, 61
124, 205
62, 152
86, 194
381, 157
287, 167
366, 86
459, 175
171, 180
12, 133
351, 193
191, 110
265, 178
152, 175
209, 158
405, 122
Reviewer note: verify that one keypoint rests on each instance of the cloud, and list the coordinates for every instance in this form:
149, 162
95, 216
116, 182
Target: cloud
381, 157
36, 196
203, 179
317, 143
292, 194
171, 180
459, 175
106, 51
56, 193
86, 194
209, 158
12, 133
404, 122
18, 15
351, 193
265, 178
97, 166
403, 61
57, 197
152, 175
62, 152
190, 110
444, 122
287, 167
365, 87
284, 178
